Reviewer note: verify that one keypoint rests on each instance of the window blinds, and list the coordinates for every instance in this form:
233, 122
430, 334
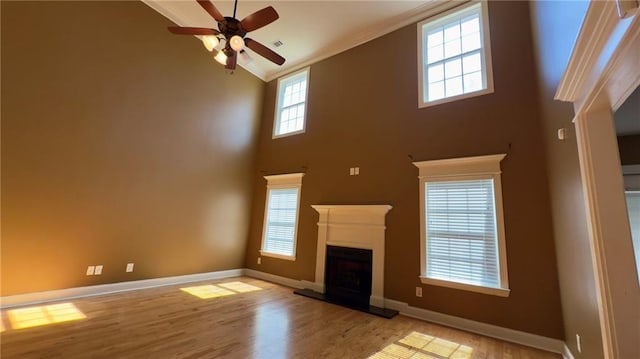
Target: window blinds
461, 232
281, 221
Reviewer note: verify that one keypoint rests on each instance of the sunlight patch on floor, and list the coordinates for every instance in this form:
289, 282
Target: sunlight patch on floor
423, 346
220, 290
240, 287
43, 315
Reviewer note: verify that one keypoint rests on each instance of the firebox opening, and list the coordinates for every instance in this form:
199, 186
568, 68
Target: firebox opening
348, 275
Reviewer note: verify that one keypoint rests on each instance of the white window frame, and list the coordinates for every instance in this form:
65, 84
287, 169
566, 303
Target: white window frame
282, 83
461, 169
284, 181
485, 52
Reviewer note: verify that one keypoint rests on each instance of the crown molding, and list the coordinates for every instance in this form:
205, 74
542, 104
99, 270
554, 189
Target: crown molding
430, 8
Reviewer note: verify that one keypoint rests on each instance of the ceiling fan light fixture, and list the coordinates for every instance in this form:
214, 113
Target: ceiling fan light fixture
210, 42
237, 43
221, 58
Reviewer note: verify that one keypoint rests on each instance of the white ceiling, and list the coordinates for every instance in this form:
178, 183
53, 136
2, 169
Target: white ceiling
310, 30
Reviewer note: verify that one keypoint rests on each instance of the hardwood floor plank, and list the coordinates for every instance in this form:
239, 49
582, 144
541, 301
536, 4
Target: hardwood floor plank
269, 323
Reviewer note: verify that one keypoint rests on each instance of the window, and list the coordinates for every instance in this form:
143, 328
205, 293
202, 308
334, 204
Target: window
462, 227
281, 216
291, 106
454, 55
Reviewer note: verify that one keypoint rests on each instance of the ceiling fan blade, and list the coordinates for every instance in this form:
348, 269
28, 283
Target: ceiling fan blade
211, 9
231, 61
264, 51
193, 30
259, 19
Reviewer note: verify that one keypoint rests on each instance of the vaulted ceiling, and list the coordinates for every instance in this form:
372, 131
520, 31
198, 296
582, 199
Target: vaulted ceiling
309, 30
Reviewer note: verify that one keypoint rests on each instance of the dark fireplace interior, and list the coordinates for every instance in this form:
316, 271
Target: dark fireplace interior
348, 273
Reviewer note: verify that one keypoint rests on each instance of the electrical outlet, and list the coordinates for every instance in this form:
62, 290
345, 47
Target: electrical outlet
352, 171
129, 267
98, 270
419, 292
90, 270
357, 171
578, 343
259, 260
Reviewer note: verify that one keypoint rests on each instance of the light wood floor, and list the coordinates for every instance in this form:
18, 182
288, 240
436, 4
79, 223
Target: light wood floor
268, 323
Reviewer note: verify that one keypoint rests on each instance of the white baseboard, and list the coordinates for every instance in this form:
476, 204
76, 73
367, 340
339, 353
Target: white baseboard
506, 334
94, 290
566, 352
293, 283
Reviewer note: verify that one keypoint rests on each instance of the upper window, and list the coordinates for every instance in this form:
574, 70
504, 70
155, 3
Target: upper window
462, 226
291, 108
281, 216
454, 55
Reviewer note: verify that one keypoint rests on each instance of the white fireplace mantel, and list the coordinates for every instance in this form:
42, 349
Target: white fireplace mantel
354, 226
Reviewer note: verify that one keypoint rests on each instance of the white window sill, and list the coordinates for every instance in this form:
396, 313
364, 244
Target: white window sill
500, 292
279, 256
486, 91
287, 134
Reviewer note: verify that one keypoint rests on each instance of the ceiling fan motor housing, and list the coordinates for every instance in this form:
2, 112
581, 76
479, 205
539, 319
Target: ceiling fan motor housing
231, 27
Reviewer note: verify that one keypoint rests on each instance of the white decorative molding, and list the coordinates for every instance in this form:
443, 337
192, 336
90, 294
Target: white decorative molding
489, 330
605, 42
476, 165
354, 226
284, 179
102, 289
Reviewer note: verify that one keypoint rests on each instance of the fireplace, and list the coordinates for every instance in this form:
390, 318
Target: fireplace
350, 258
348, 273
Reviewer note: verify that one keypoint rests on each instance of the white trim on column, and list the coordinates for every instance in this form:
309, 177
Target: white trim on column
602, 72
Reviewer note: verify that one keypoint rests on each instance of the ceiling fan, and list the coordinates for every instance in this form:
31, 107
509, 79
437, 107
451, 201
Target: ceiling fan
234, 32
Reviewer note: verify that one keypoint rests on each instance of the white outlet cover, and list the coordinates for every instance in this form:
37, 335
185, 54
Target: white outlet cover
129, 267
418, 291
352, 171
357, 171
98, 270
90, 270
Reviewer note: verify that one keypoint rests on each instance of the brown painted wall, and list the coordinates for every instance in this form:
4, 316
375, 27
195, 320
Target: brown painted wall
629, 147
120, 143
362, 111
555, 27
